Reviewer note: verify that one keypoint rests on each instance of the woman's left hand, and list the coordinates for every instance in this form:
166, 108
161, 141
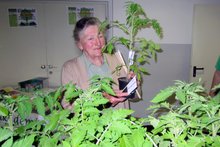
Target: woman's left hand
130, 75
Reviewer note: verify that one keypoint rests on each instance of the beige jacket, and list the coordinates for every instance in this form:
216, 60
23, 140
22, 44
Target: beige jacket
75, 71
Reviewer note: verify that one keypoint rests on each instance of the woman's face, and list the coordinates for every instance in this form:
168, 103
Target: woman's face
91, 41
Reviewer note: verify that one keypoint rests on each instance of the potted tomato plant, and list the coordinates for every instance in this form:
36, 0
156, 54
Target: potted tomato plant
140, 49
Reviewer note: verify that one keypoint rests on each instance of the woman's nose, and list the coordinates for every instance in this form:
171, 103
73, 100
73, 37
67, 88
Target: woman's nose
98, 42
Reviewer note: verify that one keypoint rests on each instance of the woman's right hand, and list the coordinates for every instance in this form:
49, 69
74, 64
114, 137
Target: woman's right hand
120, 97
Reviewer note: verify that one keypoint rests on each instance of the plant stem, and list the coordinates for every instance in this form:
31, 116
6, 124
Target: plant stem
151, 140
131, 38
213, 127
10, 120
100, 138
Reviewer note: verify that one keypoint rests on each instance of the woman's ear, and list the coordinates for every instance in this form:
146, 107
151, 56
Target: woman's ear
79, 45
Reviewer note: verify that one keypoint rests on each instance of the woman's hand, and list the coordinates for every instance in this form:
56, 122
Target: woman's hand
131, 75
120, 97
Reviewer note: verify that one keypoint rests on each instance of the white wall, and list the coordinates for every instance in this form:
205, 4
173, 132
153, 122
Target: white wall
176, 19
175, 16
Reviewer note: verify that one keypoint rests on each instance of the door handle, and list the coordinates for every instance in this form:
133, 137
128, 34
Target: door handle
195, 69
47, 66
43, 66
51, 66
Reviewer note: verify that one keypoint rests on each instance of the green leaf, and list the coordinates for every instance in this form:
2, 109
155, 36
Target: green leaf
165, 144
47, 141
110, 48
163, 95
106, 144
125, 142
153, 121
216, 141
141, 59
195, 141
121, 26
52, 123
103, 26
124, 41
143, 70
196, 106
58, 93
25, 142
157, 47
64, 114
107, 88
77, 137
3, 110
66, 144
50, 102
91, 110
168, 135
8, 143
71, 92
24, 109
120, 127
147, 143
138, 137
121, 113
156, 26
143, 43
38, 102
5, 134
181, 95
99, 101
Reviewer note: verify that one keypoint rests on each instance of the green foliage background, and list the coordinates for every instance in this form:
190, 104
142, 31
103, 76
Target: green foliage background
193, 121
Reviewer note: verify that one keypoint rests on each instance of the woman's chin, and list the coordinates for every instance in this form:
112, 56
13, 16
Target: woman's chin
99, 53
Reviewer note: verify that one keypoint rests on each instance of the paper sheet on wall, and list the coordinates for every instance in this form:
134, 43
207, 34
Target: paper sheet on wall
76, 13
20, 17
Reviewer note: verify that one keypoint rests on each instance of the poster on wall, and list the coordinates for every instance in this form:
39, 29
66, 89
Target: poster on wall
22, 17
76, 13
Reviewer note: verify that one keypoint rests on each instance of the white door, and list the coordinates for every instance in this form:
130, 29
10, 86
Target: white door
206, 43
60, 43
22, 48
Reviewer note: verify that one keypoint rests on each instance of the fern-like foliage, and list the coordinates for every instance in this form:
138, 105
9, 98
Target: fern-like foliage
90, 123
193, 120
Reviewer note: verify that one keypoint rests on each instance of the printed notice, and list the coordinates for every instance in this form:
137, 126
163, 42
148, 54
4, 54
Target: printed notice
76, 13
22, 17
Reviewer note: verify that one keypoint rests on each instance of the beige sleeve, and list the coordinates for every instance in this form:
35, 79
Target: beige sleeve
67, 74
74, 71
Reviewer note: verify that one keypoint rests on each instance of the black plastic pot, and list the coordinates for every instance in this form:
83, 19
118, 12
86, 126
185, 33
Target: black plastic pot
123, 81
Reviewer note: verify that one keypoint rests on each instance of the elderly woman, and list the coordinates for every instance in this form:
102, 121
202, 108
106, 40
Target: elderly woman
92, 62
